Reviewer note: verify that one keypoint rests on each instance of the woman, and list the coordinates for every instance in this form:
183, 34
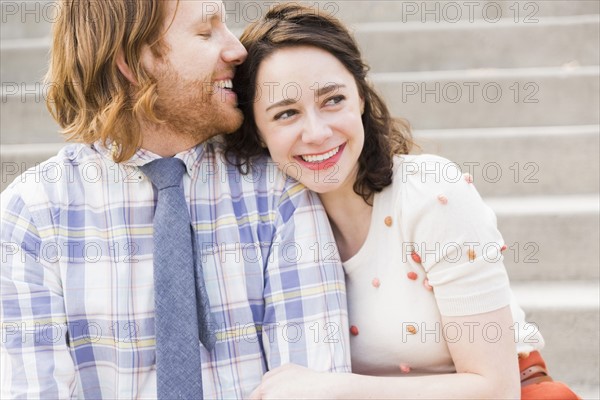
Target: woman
428, 295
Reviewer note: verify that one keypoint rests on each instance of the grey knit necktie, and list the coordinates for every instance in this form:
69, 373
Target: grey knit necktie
182, 310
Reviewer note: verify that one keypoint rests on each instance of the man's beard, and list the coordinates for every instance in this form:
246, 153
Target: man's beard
191, 109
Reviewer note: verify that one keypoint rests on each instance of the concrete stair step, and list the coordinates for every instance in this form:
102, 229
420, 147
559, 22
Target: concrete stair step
394, 47
522, 161
491, 98
432, 47
521, 11
240, 13
24, 61
31, 19
551, 238
27, 19
567, 315
24, 117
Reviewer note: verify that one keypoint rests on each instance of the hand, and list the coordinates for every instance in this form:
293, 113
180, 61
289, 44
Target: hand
291, 381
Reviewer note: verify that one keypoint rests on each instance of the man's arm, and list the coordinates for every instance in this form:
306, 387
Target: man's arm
35, 359
306, 319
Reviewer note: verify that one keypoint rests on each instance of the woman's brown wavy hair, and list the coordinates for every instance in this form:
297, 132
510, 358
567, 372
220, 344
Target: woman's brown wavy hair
290, 25
87, 95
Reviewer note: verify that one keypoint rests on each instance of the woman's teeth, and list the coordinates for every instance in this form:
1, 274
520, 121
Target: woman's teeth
321, 157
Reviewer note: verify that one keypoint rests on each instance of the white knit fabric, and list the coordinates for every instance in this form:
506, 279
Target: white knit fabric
437, 214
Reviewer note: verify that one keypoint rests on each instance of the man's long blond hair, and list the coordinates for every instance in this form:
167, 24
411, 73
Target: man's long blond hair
87, 94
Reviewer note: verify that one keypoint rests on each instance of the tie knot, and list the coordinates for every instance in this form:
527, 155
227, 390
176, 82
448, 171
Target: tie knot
164, 172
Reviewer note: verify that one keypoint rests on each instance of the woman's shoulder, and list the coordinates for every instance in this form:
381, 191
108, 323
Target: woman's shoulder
434, 187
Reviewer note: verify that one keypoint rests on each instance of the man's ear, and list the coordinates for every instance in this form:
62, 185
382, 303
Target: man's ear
124, 68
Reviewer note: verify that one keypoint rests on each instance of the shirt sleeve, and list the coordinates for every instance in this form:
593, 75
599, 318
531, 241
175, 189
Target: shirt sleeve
453, 236
35, 359
306, 320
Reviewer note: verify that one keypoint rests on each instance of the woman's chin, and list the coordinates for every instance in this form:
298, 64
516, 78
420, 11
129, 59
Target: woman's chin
321, 187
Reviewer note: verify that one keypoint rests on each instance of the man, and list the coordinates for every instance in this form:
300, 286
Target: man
88, 258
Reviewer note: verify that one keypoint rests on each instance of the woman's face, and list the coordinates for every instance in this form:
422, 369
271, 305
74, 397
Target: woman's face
308, 112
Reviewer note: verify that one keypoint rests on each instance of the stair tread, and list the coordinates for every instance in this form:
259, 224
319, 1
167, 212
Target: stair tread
26, 43
509, 132
503, 23
31, 147
545, 205
552, 295
502, 132
533, 72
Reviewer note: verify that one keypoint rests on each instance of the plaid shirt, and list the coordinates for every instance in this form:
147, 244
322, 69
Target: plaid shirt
77, 276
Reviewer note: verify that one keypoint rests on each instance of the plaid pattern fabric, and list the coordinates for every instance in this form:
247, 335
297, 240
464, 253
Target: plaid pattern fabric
77, 276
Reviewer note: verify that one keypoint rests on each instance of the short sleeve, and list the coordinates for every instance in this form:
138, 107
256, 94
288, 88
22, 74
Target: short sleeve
452, 234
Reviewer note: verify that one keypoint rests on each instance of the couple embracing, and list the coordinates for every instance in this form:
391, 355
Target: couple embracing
251, 242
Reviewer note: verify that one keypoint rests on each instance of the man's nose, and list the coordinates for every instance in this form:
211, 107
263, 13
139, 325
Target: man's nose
234, 52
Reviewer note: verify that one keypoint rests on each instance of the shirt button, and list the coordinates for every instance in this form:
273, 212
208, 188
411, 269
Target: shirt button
472, 255
427, 285
416, 258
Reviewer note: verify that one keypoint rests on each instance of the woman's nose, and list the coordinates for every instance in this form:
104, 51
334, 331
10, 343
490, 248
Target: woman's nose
316, 130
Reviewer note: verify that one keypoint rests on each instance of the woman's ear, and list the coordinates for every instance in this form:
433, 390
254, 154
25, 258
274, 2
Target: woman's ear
362, 106
124, 68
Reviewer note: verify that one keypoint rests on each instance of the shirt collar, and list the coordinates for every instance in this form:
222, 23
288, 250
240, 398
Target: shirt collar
190, 157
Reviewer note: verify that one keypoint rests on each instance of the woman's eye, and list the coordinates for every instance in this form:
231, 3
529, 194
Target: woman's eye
205, 35
284, 115
334, 100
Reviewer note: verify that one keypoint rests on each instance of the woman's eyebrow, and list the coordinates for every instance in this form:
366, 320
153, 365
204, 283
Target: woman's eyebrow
284, 102
330, 87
